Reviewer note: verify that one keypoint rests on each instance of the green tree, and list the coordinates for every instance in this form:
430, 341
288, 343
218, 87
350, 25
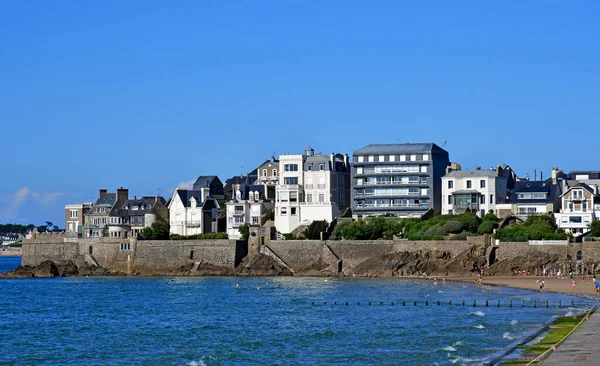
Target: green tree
160, 231
147, 233
313, 231
245, 231
595, 229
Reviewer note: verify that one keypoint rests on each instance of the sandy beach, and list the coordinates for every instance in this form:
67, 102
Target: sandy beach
16, 252
552, 284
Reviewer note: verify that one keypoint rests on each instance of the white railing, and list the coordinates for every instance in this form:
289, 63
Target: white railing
548, 242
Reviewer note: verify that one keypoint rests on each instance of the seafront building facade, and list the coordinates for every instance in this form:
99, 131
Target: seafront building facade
311, 187
74, 217
400, 179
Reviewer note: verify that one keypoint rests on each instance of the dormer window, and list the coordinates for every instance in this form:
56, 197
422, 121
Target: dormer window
577, 194
309, 167
264, 172
256, 196
274, 172
251, 196
193, 202
321, 167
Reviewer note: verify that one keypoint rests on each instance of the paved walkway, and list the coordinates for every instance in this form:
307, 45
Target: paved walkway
581, 348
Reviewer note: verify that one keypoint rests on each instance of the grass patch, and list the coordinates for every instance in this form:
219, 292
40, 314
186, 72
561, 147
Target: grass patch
557, 331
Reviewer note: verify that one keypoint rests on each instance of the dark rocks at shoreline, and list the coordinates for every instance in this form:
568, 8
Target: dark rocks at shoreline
261, 265
533, 259
49, 269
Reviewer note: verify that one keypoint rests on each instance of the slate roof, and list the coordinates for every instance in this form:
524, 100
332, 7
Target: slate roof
481, 173
246, 189
536, 186
106, 199
397, 148
186, 195
204, 181
580, 185
592, 174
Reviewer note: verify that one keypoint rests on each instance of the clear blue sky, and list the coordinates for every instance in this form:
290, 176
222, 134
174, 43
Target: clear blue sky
149, 94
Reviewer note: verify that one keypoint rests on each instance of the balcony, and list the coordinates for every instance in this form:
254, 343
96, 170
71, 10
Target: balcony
193, 223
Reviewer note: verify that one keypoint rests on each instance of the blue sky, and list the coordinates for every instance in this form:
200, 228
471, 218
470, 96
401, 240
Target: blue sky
150, 94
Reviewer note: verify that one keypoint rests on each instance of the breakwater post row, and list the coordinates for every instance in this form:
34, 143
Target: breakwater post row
427, 303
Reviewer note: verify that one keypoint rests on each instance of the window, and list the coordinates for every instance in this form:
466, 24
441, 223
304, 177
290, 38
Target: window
309, 167
361, 159
230, 220
291, 167
402, 157
293, 196
283, 196
450, 184
123, 245
423, 168
491, 198
584, 207
392, 157
468, 184
575, 219
251, 196
284, 211
482, 199
309, 197
321, 182
321, 167
413, 157
239, 209
539, 196
255, 221
524, 196
371, 158
73, 214
291, 180
293, 211
359, 170
425, 157
321, 197
274, 172
264, 172
450, 199
482, 183
381, 158
239, 220
577, 194
570, 205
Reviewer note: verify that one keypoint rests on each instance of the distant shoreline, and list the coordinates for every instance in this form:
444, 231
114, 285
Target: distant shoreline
11, 253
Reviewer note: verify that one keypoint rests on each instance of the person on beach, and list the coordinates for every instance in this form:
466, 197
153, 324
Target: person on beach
542, 286
444, 280
598, 287
435, 281
573, 284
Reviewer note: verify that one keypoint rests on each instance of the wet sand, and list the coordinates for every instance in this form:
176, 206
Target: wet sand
552, 284
8, 253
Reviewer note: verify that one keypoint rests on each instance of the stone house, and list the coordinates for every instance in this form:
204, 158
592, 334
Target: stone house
97, 218
128, 219
74, 217
580, 206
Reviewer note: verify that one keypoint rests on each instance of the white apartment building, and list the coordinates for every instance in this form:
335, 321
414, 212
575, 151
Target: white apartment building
476, 190
193, 212
311, 187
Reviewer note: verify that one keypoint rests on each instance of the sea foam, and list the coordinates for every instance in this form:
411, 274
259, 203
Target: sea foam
480, 326
449, 348
514, 322
507, 336
477, 313
195, 363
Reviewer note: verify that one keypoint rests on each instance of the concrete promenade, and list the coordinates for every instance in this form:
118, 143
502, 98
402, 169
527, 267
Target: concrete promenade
580, 348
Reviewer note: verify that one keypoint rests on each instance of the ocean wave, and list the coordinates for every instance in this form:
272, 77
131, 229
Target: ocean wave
480, 326
449, 348
507, 336
514, 322
477, 313
570, 313
463, 360
195, 363
458, 343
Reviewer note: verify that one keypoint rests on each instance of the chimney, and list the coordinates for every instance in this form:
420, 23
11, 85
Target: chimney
135, 198
272, 159
205, 192
346, 159
477, 168
555, 175
499, 171
332, 161
101, 192
122, 194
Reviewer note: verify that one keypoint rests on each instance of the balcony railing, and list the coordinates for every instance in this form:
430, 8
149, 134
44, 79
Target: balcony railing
193, 223
309, 186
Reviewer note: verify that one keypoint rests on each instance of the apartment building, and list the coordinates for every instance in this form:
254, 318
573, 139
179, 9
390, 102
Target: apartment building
248, 204
399, 179
580, 206
74, 217
311, 187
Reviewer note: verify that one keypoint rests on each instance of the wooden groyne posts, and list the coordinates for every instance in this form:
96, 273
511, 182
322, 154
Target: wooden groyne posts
523, 304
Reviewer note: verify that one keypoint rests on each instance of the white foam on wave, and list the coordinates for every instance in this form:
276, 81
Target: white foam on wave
514, 322
195, 363
569, 313
477, 313
480, 326
507, 336
458, 343
440, 291
463, 360
449, 348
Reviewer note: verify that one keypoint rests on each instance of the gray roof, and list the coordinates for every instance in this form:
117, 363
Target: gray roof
204, 181
466, 191
106, 199
396, 148
471, 173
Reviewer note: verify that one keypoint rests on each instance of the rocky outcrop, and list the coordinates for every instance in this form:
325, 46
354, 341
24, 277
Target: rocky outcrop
48, 269
532, 259
261, 265
398, 264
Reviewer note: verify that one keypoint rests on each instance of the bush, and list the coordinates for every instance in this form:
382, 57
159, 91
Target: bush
372, 228
461, 236
487, 227
336, 233
314, 230
595, 229
244, 229
536, 227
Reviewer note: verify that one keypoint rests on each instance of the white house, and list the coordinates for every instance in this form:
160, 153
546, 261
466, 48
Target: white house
579, 208
477, 190
311, 187
246, 207
193, 212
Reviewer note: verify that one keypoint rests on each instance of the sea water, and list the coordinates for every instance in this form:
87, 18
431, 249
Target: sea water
257, 321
